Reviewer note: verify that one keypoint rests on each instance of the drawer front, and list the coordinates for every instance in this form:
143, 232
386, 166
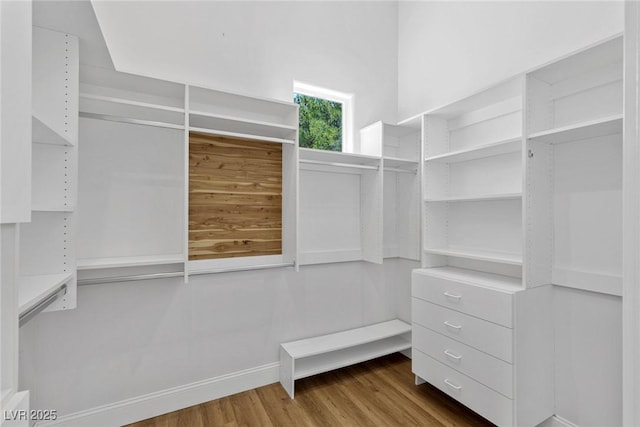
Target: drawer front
485, 336
490, 304
486, 402
488, 370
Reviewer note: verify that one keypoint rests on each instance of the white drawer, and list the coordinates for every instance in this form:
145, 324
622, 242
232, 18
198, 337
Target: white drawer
488, 370
486, 402
489, 337
486, 303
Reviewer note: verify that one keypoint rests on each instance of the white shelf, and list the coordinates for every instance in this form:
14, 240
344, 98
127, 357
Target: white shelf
349, 356
55, 209
43, 134
341, 340
479, 198
241, 135
133, 261
478, 255
338, 157
488, 280
234, 124
396, 162
130, 102
588, 129
34, 289
510, 145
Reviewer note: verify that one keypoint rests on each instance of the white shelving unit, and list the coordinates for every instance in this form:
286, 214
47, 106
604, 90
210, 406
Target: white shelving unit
131, 189
135, 151
221, 113
311, 356
472, 182
340, 207
522, 191
574, 171
46, 261
400, 148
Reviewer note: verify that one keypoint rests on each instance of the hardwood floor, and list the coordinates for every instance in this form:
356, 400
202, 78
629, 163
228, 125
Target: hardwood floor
376, 393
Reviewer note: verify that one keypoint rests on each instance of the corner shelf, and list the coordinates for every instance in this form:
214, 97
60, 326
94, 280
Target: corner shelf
479, 198
338, 156
478, 255
506, 146
34, 289
584, 130
338, 159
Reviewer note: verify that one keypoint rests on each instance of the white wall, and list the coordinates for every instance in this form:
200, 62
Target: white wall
447, 50
260, 48
129, 339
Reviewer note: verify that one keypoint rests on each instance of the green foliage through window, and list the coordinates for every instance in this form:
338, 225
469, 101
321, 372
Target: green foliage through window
320, 123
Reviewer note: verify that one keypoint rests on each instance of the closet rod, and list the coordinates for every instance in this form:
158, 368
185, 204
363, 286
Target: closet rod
130, 121
129, 278
340, 165
413, 172
243, 268
27, 315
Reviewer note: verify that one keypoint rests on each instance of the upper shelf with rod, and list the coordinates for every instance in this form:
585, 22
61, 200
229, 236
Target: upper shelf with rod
339, 159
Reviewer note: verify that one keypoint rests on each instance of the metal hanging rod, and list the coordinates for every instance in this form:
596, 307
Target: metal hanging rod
128, 120
411, 171
27, 315
128, 278
244, 268
148, 276
340, 165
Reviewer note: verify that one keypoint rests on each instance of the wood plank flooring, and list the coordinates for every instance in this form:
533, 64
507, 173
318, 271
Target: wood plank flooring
376, 393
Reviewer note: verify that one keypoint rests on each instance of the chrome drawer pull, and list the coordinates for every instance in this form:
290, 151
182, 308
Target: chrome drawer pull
452, 355
453, 296
452, 385
451, 325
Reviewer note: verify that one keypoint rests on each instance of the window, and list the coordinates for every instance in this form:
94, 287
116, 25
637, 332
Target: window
325, 118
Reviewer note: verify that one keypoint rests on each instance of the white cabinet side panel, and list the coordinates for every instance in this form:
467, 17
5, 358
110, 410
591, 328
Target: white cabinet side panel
538, 206
15, 111
588, 339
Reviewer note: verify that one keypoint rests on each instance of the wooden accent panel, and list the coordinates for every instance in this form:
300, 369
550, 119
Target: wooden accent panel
235, 197
380, 392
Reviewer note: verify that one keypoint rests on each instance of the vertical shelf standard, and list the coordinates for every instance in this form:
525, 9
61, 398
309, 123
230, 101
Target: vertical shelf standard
46, 272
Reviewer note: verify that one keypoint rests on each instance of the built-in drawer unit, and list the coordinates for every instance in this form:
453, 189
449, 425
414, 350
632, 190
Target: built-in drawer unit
483, 335
455, 291
490, 371
490, 404
486, 341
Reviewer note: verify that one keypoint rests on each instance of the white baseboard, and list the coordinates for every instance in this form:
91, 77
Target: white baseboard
158, 403
557, 421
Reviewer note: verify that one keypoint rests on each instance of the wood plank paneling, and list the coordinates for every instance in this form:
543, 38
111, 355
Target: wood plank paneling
380, 392
235, 197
